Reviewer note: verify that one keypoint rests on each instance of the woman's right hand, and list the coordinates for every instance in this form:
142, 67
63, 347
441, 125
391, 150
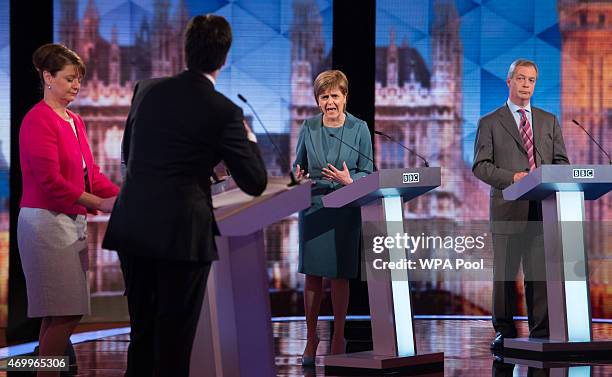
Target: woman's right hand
299, 173
96, 203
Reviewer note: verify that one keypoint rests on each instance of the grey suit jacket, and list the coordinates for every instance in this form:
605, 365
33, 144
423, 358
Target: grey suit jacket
499, 153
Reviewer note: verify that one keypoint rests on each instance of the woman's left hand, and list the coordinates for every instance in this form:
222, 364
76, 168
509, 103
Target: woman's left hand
107, 204
341, 176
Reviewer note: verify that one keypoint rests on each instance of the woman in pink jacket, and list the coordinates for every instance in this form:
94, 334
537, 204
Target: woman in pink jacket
61, 183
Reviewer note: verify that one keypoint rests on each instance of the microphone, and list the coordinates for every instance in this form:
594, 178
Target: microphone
594, 141
403, 146
356, 150
294, 181
241, 97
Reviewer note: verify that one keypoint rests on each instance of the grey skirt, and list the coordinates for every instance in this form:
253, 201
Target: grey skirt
53, 250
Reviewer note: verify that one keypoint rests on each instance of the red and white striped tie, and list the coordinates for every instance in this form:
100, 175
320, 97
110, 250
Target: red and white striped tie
527, 136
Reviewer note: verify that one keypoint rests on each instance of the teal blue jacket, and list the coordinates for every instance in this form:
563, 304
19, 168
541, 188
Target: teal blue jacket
311, 157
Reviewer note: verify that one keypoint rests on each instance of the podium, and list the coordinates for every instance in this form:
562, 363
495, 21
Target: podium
554, 368
381, 196
562, 189
234, 335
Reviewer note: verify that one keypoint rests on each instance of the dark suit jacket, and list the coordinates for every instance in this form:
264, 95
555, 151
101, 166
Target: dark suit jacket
177, 130
499, 154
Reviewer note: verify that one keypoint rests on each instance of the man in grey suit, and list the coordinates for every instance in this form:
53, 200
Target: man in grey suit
511, 141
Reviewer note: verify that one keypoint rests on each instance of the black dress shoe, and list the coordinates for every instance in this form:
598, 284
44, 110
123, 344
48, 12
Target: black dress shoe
497, 345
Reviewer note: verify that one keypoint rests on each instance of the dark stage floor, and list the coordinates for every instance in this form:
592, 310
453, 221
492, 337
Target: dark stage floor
464, 342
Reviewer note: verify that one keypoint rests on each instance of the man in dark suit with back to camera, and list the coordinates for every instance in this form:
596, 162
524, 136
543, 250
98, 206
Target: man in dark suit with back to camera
511, 141
162, 224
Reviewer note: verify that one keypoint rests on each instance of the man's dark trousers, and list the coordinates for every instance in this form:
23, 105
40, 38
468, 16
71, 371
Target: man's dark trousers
164, 301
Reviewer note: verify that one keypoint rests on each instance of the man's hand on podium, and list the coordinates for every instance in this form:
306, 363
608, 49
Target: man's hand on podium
518, 176
341, 176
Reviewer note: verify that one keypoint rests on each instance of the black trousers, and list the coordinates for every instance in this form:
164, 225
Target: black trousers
164, 301
509, 250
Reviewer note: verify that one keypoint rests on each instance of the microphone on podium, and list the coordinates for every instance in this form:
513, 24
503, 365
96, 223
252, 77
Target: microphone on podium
356, 150
403, 146
593, 140
294, 181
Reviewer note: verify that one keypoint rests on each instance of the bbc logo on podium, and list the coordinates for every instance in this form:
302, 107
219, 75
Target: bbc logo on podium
410, 178
583, 173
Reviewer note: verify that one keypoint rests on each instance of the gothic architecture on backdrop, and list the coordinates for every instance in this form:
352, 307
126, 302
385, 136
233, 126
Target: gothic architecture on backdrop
307, 61
422, 109
586, 96
113, 70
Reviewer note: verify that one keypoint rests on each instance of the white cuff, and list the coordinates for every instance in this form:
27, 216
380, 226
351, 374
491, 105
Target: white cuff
251, 136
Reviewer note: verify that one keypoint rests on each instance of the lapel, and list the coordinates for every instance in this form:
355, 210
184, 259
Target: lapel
315, 126
346, 133
349, 136
507, 121
538, 127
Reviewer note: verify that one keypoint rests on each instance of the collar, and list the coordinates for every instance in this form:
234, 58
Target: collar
515, 108
210, 78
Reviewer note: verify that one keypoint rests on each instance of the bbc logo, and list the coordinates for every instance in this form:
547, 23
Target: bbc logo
410, 178
583, 173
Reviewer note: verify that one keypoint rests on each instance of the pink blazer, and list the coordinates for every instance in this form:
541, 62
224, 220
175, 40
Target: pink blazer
51, 163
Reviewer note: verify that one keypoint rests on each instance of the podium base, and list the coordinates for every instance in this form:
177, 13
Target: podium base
542, 364
546, 349
369, 360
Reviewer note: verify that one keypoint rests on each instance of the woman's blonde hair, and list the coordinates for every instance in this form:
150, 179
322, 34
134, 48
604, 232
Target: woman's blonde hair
329, 80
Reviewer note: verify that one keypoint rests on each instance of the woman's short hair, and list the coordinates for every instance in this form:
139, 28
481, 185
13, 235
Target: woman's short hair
53, 57
329, 80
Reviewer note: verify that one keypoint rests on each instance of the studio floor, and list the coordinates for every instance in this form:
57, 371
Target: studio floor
464, 343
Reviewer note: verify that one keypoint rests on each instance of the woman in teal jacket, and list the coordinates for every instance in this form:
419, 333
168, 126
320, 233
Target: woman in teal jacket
330, 239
